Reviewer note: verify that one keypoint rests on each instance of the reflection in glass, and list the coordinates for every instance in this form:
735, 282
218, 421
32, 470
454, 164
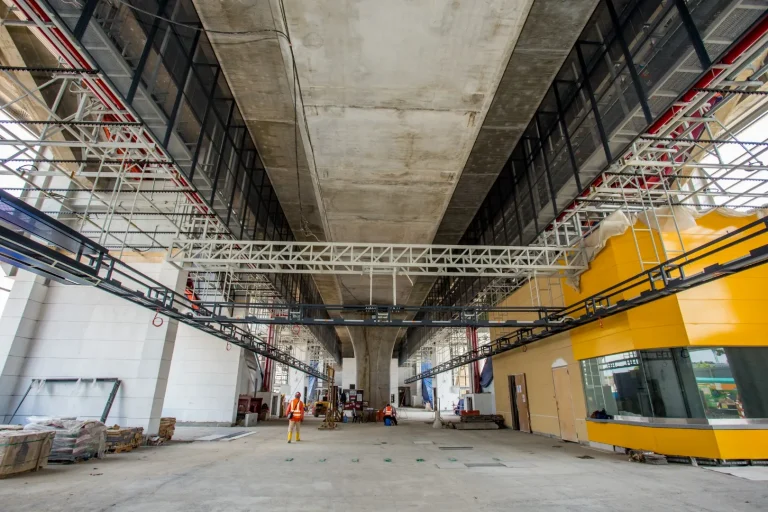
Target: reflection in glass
709, 382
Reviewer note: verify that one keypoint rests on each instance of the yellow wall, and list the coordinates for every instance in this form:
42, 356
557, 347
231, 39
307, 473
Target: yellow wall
729, 311
536, 363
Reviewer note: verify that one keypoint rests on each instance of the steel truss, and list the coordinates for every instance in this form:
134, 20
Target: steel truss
668, 278
60, 253
115, 169
389, 259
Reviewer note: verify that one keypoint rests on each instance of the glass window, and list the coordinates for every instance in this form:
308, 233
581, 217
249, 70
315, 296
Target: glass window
713, 383
616, 385
732, 382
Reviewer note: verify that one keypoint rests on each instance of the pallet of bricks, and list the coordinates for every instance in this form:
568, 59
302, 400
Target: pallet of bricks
167, 428
74, 440
22, 451
124, 439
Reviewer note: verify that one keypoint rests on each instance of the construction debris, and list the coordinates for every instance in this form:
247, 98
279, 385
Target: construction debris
167, 428
22, 451
124, 439
479, 422
647, 457
11, 427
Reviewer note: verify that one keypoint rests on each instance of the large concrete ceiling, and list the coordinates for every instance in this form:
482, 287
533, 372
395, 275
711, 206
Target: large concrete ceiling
393, 97
395, 93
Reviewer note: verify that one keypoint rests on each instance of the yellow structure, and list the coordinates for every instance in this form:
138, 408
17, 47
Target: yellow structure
729, 312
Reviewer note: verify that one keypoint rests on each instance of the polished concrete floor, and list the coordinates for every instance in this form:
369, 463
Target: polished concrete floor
372, 467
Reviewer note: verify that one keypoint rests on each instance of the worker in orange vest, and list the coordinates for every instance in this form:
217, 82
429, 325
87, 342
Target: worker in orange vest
295, 416
389, 412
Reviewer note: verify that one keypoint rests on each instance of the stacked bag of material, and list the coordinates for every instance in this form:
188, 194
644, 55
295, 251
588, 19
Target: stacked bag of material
167, 428
75, 440
22, 451
124, 439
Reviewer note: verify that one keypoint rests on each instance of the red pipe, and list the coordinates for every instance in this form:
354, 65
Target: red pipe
472, 338
102, 88
266, 384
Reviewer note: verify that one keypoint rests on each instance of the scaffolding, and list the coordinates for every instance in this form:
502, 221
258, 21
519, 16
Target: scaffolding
88, 137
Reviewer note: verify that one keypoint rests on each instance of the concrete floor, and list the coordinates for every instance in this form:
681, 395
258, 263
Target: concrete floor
254, 473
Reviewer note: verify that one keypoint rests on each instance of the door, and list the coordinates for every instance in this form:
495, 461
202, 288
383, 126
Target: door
565, 415
521, 402
513, 403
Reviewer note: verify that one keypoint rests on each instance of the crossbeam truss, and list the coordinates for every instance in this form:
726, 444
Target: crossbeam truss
400, 259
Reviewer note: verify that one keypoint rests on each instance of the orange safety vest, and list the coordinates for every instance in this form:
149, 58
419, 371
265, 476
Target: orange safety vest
296, 407
388, 411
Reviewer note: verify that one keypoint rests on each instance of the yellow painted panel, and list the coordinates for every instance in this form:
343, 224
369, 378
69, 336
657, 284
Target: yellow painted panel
729, 335
662, 312
610, 326
667, 441
685, 441
747, 285
621, 435
660, 337
742, 444
724, 311
602, 346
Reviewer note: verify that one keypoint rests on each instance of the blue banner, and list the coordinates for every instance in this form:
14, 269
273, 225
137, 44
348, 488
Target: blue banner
426, 384
486, 376
312, 383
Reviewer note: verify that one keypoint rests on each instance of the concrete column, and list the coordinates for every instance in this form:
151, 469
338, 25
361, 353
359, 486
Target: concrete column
373, 356
17, 327
297, 380
156, 355
206, 378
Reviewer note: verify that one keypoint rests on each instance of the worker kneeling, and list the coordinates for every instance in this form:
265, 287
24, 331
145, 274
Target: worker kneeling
295, 417
389, 412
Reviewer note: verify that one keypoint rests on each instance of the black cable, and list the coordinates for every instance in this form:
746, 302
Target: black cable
201, 29
297, 84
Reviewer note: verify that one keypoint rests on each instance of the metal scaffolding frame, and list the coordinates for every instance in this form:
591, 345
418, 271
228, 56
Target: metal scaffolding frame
117, 170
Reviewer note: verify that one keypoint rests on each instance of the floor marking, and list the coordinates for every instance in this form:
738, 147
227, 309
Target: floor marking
419, 460
387, 460
289, 460
355, 460
240, 436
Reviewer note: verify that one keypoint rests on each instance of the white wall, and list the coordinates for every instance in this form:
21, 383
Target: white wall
348, 372
79, 331
205, 378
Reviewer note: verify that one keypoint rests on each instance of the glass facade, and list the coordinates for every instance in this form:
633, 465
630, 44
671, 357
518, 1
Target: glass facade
631, 62
702, 383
